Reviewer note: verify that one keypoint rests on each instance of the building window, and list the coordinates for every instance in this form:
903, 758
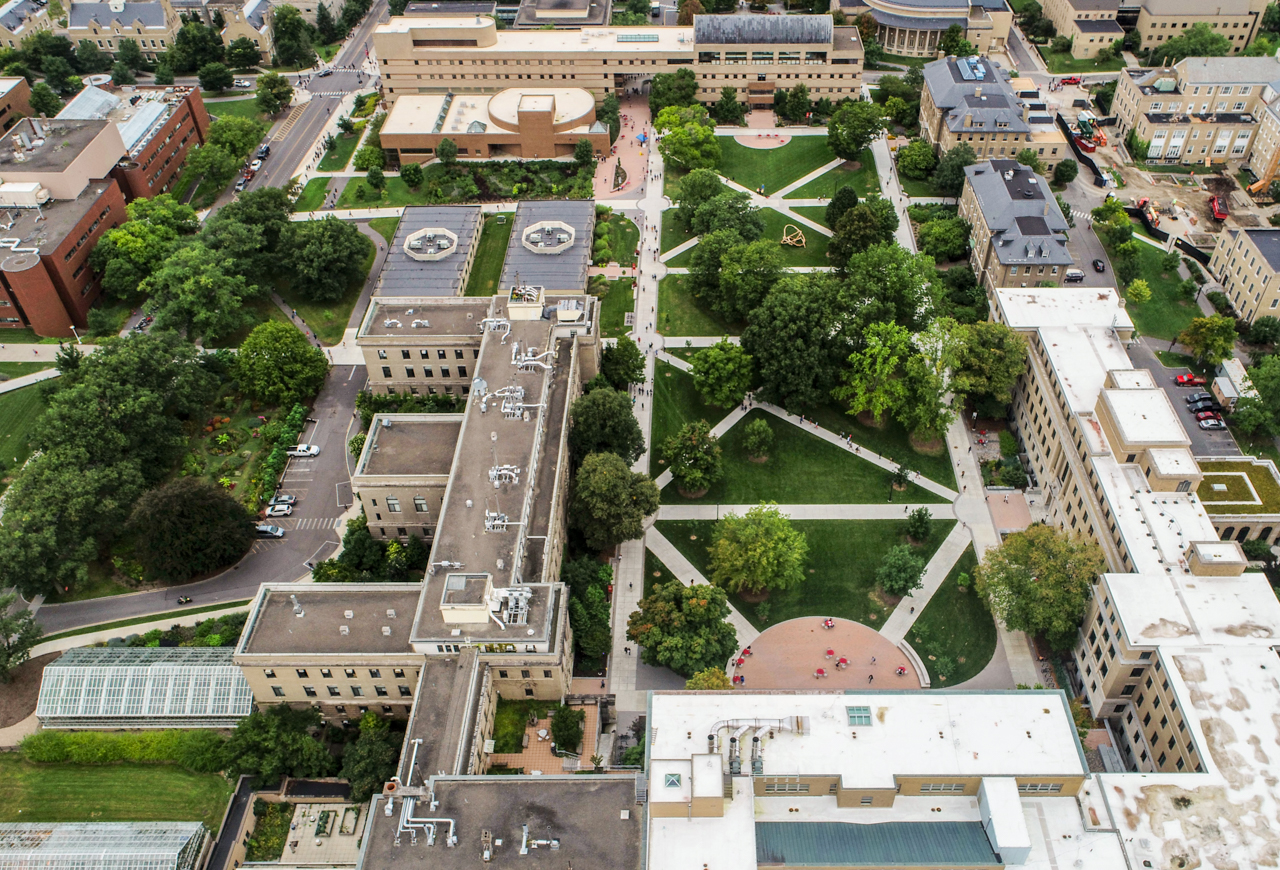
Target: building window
786, 787
405, 692
866, 800
277, 691
393, 504
524, 675
269, 673
419, 504
528, 693
942, 787
302, 673
858, 715
386, 371
1039, 787
502, 675
671, 780
382, 354
380, 691
349, 672
357, 692
333, 692
399, 672
326, 673
375, 673
546, 675
310, 691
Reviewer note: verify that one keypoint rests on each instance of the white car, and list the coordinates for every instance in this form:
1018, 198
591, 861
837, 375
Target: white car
255, 165
265, 531
279, 510
242, 83
303, 450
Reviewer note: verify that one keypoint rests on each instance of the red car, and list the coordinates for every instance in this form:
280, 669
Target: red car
1190, 380
1071, 80
1208, 415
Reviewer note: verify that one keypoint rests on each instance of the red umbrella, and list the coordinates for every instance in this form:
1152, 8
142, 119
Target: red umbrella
740, 662
844, 662
820, 673
830, 653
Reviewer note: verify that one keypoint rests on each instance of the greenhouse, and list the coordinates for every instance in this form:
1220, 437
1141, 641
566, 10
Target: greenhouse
144, 687
102, 845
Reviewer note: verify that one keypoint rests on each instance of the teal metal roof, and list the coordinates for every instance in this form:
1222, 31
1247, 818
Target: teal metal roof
823, 844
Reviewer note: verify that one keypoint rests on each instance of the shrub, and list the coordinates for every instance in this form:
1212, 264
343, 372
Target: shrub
1008, 444
1219, 301
566, 727
198, 750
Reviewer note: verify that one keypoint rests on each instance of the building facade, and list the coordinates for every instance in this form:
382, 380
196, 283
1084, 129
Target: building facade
1235, 20
913, 29
1245, 262
21, 18
15, 100
1018, 236
1089, 24
153, 25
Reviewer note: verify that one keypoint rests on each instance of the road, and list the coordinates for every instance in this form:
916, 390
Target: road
323, 488
1203, 443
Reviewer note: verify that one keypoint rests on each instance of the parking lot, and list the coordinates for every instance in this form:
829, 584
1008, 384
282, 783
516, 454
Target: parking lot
1203, 442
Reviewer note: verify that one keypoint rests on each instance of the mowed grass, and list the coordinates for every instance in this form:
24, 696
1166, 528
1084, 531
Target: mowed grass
18, 369
312, 196
891, 442
957, 624
815, 213
329, 319
672, 235
20, 410
919, 187
618, 298
864, 178
1064, 62
801, 469
843, 558
1168, 311
655, 572
772, 168
490, 255
385, 227
235, 109
337, 158
675, 403
680, 314
110, 793
814, 252
624, 237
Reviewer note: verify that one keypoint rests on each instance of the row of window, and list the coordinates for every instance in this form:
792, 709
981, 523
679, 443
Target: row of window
427, 372
525, 674
393, 505
349, 673
335, 692
1175, 108
425, 353
463, 390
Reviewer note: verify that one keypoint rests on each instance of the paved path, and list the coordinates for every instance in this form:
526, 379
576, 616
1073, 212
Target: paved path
809, 512
940, 565
689, 576
27, 380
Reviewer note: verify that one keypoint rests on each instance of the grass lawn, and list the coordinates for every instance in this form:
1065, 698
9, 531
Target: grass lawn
890, 442
624, 237
1063, 62
618, 298
339, 156
837, 585
25, 336
1259, 445
655, 572
679, 313
395, 194
1233, 475
675, 403
865, 179
672, 235
18, 369
814, 253
101, 584
682, 259
110, 793
774, 168
19, 412
312, 196
490, 256
802, 469
903, 59
1168, 311
918, 188
385, 227
955, 625
671, 182
1172, 360
510, 720
328, 320
815, 213
235, 108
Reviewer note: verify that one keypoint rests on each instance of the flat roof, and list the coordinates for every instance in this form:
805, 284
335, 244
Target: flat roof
1187, 611
565, 271
403, 275
62, 143
48, 227
413, 445
450, 7
1073, 307
595, 820
534, 43
424, 317
275, 628
1145, 416
442, 705
138, 112
1268, 244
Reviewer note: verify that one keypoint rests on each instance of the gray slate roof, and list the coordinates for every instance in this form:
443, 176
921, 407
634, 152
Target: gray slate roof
977, 87
556, 272
889, 19
762, 30
1026, 224
404, 276
15, 14
1268, 244
150, 14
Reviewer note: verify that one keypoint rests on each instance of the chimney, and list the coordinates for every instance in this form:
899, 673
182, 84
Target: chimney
1046, 208
968, 120
977, 92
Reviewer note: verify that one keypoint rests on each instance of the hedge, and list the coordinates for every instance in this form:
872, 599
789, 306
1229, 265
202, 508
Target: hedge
197, 750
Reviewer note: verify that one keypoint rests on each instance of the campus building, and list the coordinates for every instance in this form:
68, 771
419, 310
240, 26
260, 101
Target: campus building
1236, 20
153, 25
15, 97
1018, 235
1200, 110
1246, 262
251, 21
1089, 24
21, 18
973, 100
913, 27
754, 54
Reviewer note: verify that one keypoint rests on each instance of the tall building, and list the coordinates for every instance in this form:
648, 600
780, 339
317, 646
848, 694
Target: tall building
1018, 235
1246, 263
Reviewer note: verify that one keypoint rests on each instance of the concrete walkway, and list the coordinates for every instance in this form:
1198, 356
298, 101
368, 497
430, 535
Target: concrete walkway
940, 565
689, 576
817, 173
810, 512
892, 191
27, 380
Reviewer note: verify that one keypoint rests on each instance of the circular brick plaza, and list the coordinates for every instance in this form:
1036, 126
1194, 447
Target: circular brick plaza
762, 141
789, 655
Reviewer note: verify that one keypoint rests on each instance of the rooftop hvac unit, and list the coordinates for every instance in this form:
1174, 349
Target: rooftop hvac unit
342, 629
349, 614
421, 324
386, 631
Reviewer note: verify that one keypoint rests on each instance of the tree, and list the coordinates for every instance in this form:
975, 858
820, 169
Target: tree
917, 160
214, 163
42, 45
566, 727
699, 186
920, 525
727, 109
237, 136
1138, 291
797, 353
58, 74
798, 103
887, 282
1060, 45
757, 438
690, 145
215, 77
191, 527
1126, 260
952, 42
708, 680
17, 69
325, 257
944, 240
1263, 411
371, 760
610, 501
844, 199
19, 632
164, 75
1039, 581
693, 456
1210, 339
1255, 550
679, 88
326, 27
277, 365
589, 617
1265, 330
273, 743
688, 9
274, 92
989, 359
1065, 172
948, 178
730, 210
900, 571
447, 151
1199, 40
583, 152
757, 553
243, 54
603, 422
852, 128
869, 223
747, 273
193, 294
375, 178
90, 58
622, 364
722, 373
683, 628
121, 74
1028, 158
194, 46
873, 382
412, 175
291, 37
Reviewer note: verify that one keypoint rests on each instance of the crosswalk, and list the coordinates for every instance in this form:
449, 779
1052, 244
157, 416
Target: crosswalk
329, 93
289, 122
302, 525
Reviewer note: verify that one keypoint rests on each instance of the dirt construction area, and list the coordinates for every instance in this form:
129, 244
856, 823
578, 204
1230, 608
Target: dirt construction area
18, 696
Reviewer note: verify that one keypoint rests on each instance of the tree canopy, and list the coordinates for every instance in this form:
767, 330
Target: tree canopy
325, 257
693, 456
722, 373
192, 527
602, 421
19, 632
277, 365
758, 552
622, 363
1210, 339
371, 760
853, 127
274, 743
610, 501
683, 628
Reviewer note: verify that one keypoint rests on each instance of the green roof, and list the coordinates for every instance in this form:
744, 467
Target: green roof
1251, 488
824, 844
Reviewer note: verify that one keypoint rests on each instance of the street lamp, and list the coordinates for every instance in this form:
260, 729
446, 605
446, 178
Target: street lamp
76, 334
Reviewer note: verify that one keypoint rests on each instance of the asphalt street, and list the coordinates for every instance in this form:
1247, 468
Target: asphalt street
323, 488
1203, 443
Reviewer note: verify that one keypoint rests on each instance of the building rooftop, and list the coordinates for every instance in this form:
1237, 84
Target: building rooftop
977, 90
314, 626
594, 821
46, 229
1145, 416
15, 14
1234, 486
424, 317
557, 272
1166, 610
139, 115
148, 14
1267, 243
412, 445
1094, 5
1075, 309
762, 30
524, 42
563, 13
442, 707
450, 7
54, 144
1099, 25
1224, 70
1027, 226
405, 275
135, 845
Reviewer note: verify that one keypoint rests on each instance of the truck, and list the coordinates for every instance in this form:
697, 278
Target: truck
1218, 205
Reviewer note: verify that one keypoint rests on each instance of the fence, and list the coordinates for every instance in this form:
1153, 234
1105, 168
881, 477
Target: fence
1099, 180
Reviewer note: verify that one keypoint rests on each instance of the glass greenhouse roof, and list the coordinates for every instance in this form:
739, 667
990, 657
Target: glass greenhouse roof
101, 845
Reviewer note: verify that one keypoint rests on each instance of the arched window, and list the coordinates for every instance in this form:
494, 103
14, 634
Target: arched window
1265, 534
1228, 532
1243, 534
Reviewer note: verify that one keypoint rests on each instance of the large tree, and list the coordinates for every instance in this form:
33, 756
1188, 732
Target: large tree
747, 273
243, 54
193, 293
693, 456
1039, 581
873, 382
1210, 339
274, 743
708, 680
1199, 40
19, 632
237, 136
727, 110
274, 92
602, 422
990, 357
948, 178
190, 527
683, 628
722, 373
277, 365
900, 571
291, 36
370, 761
214, 163
325, 257
917, 160
730, 210
1261, 412
699, 186
193, 47
757, 553
845, 198
610, 501
790, 336
129, 254
887, 282
589, 617
689, 141
45, 100
622, 364
852, 129
870, 222
679, 88
215, 76
90, 58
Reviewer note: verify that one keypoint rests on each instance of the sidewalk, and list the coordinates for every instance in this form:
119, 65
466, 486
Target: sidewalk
27, 380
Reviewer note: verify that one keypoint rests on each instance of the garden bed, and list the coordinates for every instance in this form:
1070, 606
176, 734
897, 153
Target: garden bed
491, 254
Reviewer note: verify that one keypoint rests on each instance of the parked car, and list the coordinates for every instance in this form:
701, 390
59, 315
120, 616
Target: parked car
283, 499
1206, 405
242, 83
1208, 415
268, 531
303, 450
240, 185
1199, 397
1191, 380
1073, 276
1099, 266
1071, 80
255, 165
264, 151
279, 510
1212, 424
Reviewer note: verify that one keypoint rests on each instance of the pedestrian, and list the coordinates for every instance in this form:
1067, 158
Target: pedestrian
602, 684
913, 610
870, 677
962, 474
965, 488
1006, 498
742, 681
873, 660
631, 585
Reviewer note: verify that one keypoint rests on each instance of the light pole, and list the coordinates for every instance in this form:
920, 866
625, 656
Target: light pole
76, 334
